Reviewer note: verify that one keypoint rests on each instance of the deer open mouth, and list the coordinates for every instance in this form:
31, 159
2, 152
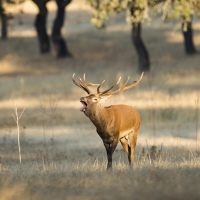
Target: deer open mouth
84, 107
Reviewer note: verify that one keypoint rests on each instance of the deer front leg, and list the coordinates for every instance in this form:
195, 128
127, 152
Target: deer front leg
110, 148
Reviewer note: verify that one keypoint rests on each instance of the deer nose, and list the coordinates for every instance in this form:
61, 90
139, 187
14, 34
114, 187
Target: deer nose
82, 99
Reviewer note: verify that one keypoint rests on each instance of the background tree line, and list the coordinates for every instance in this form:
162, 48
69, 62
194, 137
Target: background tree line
138, 11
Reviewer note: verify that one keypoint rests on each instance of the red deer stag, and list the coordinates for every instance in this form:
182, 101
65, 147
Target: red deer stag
113, 123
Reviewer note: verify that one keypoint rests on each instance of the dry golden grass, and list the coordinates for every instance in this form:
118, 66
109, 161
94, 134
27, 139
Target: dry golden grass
80, 174
72, 163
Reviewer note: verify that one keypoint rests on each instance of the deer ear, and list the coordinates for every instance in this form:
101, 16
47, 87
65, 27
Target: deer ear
105, 98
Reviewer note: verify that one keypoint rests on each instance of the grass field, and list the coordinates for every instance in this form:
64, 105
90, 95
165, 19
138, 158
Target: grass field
62, 156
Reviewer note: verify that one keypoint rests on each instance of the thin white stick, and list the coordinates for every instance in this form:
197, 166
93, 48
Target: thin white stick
16, 118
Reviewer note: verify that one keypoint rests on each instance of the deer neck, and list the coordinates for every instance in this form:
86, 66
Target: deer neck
99, 117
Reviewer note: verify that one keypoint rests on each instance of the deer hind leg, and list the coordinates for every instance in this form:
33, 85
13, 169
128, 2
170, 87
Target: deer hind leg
126, 147
133, 139
110, 148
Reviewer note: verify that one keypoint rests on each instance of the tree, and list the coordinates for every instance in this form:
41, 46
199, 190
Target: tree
3, 21
40, 25
139, 10
4, 16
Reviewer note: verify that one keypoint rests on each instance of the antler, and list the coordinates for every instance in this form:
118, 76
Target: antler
124, 87
83, 84
105, 91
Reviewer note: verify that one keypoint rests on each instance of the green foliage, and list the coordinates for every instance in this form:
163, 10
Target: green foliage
139, 9
104, 8
13, 2
182, 9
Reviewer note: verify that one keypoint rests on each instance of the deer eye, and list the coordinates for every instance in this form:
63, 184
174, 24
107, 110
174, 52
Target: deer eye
94, 99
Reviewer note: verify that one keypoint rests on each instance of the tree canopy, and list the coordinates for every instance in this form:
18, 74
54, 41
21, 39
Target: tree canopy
139, 10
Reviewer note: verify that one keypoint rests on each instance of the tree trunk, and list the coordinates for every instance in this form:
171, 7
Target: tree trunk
188, 38
144, 64
3, 22
40, 24
59, 43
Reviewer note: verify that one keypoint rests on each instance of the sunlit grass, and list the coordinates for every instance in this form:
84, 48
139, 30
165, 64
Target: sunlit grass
82, 176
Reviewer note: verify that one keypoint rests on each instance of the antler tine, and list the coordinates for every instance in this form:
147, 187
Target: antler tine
120, 89
124, 87
84, 76
98, 89
81, 85
134, 82
87, 83
75, 81
104, 92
